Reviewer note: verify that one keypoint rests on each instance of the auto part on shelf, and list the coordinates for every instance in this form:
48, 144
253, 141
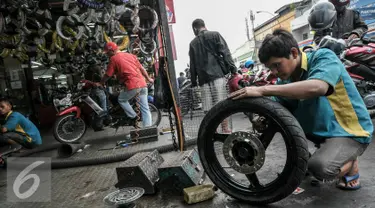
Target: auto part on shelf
137, 20
72, 19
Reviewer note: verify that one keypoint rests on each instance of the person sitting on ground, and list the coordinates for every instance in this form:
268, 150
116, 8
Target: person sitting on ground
17, 130
318, 90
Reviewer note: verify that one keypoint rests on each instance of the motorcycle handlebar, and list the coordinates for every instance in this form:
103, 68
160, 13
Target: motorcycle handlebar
78, 95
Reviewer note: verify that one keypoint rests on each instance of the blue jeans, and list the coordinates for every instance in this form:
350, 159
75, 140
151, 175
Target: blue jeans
124, 98
102, 97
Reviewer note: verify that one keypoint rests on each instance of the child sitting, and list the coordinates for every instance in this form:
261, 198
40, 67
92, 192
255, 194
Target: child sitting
17, 130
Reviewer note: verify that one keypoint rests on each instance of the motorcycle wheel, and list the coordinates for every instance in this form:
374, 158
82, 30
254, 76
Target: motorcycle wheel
66, 132
155, 114
295, 142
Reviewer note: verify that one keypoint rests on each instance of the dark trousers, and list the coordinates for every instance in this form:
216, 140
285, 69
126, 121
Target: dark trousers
16, 137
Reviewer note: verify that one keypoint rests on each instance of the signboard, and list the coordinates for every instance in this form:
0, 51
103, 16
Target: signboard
16, 85
308, 42
14, 76
367, 10
170, 11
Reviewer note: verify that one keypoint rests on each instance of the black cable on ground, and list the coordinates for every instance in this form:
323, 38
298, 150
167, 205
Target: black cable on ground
111, 158
62, 164
38, 150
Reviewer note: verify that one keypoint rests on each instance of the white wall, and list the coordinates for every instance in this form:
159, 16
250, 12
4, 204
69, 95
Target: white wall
298, 33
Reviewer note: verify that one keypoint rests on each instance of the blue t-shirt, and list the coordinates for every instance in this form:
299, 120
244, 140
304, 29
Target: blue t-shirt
341, 114
16, 122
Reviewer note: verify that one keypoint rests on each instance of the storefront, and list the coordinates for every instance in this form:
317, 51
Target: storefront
49, 52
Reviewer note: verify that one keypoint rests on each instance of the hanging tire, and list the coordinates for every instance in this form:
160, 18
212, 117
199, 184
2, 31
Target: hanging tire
296, 147
66, 132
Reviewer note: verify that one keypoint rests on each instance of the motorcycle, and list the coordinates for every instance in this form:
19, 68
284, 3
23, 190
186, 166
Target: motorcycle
358, 56
61, 100
72, 122
261, 78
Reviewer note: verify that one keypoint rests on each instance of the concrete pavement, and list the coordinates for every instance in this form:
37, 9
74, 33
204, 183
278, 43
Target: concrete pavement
87, 186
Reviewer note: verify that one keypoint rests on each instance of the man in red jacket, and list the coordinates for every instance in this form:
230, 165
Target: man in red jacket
132, 75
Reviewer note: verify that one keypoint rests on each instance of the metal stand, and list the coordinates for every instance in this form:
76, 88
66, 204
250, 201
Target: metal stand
167, 46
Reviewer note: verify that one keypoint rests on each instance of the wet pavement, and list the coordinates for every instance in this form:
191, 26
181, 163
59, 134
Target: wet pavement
87, 186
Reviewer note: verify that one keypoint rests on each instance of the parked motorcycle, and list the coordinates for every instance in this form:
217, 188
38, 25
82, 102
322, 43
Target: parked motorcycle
72, 123
261, 78
61, 99
358, 56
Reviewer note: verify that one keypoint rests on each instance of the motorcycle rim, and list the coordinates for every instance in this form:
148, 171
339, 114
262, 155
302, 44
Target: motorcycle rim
69, 129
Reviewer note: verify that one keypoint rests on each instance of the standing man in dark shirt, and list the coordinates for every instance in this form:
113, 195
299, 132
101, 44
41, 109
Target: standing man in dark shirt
348, 21
181, 79
210, 61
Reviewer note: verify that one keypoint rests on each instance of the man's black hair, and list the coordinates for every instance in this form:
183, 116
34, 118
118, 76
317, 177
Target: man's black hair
198, 23
6, 100
182, 73
278, 44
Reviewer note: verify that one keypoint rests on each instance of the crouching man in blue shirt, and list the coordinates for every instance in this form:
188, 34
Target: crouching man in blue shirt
317, 89
17, 129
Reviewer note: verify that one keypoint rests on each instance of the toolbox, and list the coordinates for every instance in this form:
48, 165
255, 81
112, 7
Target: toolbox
181, 171
141, 170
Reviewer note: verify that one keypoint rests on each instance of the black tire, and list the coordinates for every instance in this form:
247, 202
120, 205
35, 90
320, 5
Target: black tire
59, 138
158, 113
294, 138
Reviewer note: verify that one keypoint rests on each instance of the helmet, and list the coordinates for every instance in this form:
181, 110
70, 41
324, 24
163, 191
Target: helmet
340, 2
249, 63
340, 5
322, 16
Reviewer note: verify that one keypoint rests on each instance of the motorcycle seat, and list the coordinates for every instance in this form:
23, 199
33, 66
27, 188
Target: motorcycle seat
364, 71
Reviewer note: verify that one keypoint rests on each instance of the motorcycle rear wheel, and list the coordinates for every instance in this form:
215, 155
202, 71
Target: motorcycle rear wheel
154, 110
68, 138
296, 145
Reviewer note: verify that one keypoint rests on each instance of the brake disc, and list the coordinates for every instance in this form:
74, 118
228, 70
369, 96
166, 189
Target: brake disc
244, 152
123, 196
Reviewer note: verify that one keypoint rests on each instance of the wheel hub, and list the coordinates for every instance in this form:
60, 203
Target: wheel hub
244, 152
124, 196
68, 128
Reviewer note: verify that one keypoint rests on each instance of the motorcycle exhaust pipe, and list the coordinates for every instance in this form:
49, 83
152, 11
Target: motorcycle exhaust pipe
68, 150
